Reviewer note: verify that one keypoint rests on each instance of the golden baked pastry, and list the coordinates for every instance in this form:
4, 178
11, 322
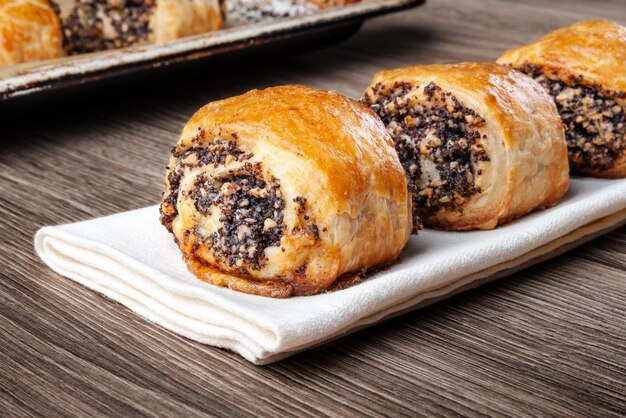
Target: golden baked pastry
94, 25
481, 144
29, 30
281, 191
583, 67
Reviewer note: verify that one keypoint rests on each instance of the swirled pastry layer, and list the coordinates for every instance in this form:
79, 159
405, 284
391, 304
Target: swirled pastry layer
280, 192
481, 144
583, 67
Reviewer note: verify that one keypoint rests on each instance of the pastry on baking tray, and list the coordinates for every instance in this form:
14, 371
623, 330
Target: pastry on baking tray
583, 67
95, 25
480, 143
252, 11
29, 30
281, 191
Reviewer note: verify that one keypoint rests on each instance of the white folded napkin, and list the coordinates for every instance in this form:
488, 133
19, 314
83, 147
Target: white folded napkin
131, 258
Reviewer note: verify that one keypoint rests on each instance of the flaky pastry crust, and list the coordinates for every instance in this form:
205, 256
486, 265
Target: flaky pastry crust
517, 161
590, 54
281, 191
29, 30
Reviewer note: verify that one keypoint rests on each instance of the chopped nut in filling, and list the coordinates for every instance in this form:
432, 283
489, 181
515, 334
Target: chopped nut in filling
250, 213
96, 25
595, 125
436, 138
243, 208
218, 152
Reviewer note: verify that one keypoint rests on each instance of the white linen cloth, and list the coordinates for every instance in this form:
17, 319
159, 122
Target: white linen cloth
132, 259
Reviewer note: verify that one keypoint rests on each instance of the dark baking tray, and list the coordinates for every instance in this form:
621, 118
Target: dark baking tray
319, 28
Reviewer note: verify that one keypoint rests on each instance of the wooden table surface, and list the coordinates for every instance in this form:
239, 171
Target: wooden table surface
550, 340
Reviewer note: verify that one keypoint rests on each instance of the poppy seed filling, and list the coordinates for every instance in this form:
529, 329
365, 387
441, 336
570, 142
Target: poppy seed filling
217, 152
247, 206
250, 211
437, 141
595, 123
96, 25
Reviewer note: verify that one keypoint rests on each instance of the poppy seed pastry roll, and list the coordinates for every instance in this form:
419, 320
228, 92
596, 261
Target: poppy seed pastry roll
583, 67
281, 191
30, 30
96, 25
481, 144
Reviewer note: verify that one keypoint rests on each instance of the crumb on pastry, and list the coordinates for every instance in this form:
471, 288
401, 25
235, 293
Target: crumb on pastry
594, 120
437, 140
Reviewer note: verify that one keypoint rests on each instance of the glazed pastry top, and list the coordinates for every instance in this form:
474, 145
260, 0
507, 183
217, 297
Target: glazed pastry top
321, 174
518, 161
29, 30
288, 124
594, 50
504, 91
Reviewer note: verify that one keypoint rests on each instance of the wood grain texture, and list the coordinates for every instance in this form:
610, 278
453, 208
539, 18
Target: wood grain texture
548, 341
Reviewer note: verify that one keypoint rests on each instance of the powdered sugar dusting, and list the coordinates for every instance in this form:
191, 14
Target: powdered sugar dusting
251, 11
